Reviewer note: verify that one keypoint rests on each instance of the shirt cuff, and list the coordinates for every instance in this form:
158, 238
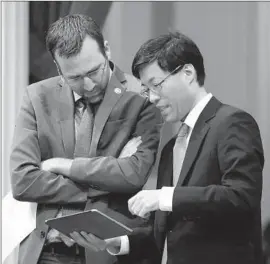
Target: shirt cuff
166, 198
124, 248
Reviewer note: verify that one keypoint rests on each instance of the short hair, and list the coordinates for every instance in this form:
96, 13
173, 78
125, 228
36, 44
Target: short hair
67, 34
169, 50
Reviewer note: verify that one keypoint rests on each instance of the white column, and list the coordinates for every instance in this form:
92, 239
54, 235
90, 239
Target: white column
263, 95
14, 74
14, 80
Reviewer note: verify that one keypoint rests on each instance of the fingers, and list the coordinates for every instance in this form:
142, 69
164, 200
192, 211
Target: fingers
147, 215
141, 204
135, 204
134, 199
99, 243
136, 141
78, 239
141, 211
42, 165
144, 213
131, 147
48, 164
88, 241
67, 240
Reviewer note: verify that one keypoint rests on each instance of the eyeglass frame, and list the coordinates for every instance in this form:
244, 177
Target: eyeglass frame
85, 75
146, 90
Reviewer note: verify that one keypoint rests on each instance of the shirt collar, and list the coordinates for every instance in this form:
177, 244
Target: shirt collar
194, 114
77, 96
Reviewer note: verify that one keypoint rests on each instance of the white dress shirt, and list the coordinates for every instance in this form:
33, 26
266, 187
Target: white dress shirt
166, 194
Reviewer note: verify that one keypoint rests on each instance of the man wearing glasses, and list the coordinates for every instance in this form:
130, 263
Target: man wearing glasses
83, 140
207, 201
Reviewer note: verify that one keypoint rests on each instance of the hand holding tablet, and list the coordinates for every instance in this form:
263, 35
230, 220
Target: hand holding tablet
92, 221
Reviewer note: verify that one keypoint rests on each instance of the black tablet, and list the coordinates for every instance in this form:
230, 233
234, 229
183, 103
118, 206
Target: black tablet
92, 221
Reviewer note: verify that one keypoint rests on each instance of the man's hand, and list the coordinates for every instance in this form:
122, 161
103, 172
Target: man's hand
63, 166
131, 147
57, 165
144, 202
89, 241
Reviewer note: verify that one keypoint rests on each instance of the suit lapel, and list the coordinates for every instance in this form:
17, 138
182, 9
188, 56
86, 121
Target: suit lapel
197, 137
114, 91
164, 179
66, 118
166, 165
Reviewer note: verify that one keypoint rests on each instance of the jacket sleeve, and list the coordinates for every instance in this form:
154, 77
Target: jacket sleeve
123, 175
28, 181
241, 160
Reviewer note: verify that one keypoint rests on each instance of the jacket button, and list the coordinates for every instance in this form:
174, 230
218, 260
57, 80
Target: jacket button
42, 234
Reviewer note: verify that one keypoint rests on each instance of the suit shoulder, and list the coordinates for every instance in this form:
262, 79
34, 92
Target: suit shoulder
132, 90
43, 86
228, 112
229, 117
133, 84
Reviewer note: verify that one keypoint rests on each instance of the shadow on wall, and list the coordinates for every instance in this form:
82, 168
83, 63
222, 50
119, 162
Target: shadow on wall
42, 14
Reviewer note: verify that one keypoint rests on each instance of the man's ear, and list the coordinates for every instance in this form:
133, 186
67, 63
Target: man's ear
57, 67
190, 73
59, 71
107, 49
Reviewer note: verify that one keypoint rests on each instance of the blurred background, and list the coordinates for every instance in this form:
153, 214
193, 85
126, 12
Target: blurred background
234, 38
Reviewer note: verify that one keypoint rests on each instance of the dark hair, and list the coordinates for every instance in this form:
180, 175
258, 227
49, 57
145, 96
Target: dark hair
67, 34
169, 50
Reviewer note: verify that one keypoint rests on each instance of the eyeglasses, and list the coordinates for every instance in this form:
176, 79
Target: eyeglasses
94, 76
156, 88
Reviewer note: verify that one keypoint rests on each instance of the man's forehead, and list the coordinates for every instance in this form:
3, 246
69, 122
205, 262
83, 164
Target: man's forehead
88, 50
80, 63
150, 72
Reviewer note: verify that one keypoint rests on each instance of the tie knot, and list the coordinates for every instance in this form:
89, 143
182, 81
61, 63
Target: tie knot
183, 130
81, 103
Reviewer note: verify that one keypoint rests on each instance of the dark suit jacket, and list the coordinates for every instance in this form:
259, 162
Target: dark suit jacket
45, 129
216, 203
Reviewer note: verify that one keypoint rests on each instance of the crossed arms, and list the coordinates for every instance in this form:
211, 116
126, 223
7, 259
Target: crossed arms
39, 182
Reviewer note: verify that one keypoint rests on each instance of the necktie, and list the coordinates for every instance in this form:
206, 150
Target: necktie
84, 120
179, 152
80, 106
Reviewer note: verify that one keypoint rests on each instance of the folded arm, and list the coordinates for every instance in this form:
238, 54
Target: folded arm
128, 172
123, 174
29, 181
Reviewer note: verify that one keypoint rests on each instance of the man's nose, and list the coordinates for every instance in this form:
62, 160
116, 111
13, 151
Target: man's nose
153, 97
88, 84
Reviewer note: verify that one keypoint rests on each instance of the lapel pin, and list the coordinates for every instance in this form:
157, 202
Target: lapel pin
117, 90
